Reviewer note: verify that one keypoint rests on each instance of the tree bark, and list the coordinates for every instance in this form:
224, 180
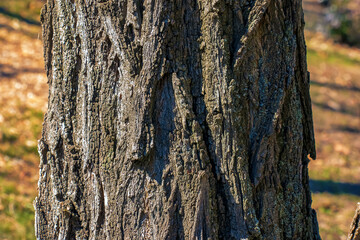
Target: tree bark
175, 120
355, 225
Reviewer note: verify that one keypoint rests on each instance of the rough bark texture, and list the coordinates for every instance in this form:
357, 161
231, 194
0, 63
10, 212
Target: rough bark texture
184, 119
355, 225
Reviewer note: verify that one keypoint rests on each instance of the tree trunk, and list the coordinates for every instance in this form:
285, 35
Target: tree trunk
175, 120
355, 225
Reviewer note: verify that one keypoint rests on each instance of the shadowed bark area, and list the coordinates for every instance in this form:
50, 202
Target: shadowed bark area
175, 120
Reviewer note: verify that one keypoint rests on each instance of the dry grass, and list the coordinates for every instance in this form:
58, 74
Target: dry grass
23, 97
335, 91
24, 9
334, 213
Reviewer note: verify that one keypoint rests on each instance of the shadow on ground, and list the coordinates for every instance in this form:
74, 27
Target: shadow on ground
347, 129
19, 17
335, 86
320, 186
342, 109
7, 71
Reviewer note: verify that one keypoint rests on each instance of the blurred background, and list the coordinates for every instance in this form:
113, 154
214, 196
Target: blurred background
333, 40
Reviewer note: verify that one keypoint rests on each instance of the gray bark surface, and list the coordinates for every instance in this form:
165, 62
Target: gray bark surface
175, 120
